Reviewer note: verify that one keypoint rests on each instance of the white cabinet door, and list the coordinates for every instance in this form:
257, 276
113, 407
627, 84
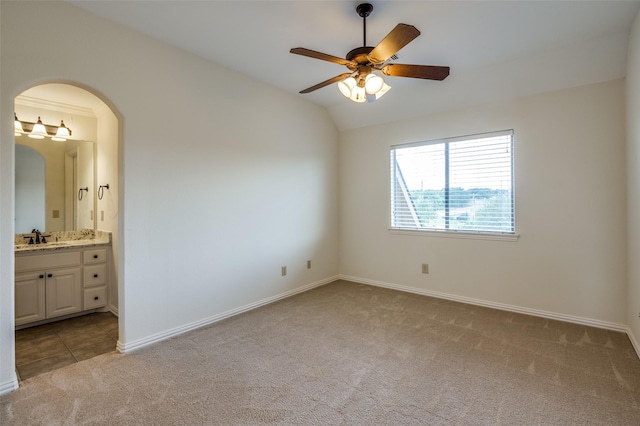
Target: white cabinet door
64, 292
30, 298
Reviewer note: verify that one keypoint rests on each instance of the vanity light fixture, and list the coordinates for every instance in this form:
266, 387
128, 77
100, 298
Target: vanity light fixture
17, 125
39, 130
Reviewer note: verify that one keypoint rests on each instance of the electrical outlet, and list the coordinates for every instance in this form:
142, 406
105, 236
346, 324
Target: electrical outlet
102, 215
425, 268
284, 271
308, 264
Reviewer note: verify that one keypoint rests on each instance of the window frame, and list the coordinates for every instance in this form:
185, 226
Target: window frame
454, 233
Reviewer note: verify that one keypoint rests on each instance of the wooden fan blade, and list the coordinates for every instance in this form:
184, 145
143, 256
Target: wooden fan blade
398, 38
318, 55
428, 72
327, 82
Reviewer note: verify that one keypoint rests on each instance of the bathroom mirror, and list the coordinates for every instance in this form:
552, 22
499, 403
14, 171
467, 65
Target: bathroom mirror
66, 180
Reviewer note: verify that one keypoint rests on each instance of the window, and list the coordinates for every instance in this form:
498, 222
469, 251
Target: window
462, 184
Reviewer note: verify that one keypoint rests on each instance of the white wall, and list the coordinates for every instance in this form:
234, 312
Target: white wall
570, 258
107, 161
86, 179
223, 179
633, 181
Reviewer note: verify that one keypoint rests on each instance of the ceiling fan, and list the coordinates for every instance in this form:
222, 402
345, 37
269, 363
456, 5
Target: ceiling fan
360, 84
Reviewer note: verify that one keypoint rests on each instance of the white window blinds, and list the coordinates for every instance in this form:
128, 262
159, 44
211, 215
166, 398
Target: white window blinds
462, 184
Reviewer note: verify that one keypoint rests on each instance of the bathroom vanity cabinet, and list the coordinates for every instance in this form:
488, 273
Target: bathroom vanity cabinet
50, 284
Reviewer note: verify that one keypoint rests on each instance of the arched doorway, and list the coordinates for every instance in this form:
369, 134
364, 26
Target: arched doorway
77, 171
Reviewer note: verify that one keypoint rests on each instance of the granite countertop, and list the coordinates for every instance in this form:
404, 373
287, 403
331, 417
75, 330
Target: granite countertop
64, 240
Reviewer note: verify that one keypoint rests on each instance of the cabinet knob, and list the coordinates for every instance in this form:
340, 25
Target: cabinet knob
95, 256
41, 276
95, 275
49, 275
96, 298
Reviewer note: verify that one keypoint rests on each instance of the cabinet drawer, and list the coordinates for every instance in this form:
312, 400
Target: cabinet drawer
95, 256
47, 261
95, 275
94, 298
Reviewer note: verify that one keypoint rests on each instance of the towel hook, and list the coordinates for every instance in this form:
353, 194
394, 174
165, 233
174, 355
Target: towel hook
80, 192
101, 191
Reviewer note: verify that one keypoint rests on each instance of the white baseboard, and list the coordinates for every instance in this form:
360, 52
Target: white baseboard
113, 310
9, 386
137, 344
501, 306
634, 341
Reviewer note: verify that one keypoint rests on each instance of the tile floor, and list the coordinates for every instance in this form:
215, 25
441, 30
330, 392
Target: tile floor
55, 345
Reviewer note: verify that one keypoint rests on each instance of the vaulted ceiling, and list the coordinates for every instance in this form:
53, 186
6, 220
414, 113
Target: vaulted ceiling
496, 49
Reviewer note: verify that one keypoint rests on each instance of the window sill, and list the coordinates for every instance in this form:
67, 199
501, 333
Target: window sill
450, 234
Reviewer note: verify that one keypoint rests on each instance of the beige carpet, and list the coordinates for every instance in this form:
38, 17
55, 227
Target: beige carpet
351, 354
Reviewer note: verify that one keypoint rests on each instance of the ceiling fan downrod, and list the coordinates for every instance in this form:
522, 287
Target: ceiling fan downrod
364, 10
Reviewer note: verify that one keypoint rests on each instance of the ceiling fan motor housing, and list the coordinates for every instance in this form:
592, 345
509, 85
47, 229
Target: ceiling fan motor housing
359, 54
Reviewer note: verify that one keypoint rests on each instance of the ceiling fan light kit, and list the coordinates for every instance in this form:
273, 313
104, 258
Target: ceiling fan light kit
361, 84
372, 89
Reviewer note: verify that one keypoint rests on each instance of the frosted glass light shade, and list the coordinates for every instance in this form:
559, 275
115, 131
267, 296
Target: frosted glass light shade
373, 84
346, 86
62, 133
349, 88
38, 131
385, 88
17, 125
